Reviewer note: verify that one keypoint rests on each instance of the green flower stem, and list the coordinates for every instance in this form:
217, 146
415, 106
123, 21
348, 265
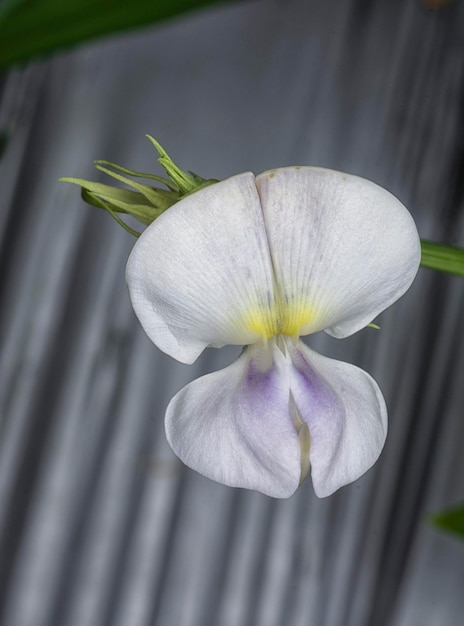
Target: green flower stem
437, 256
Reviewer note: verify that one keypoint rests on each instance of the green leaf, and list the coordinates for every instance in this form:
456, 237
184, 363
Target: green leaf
451, 520
30, 28
10, 5
437, 256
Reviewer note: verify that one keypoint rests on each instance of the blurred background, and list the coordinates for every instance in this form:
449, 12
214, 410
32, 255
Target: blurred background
100, 524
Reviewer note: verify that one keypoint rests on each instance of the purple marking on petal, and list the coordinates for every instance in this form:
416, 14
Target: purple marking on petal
320, 407
318, 388
346, 415
234, 426
259, 381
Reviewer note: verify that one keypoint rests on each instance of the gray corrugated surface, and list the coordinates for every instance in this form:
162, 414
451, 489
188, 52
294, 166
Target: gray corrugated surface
100, 524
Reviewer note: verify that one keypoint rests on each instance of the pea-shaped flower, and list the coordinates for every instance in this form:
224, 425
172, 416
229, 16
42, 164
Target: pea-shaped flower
261, 261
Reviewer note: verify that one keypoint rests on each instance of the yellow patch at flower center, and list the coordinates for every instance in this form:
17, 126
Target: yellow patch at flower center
282, 318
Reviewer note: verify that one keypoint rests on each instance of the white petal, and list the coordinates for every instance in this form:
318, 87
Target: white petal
201, 273
346, 414
343, 248
233, 426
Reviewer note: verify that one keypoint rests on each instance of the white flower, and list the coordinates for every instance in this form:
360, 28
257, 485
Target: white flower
260, 261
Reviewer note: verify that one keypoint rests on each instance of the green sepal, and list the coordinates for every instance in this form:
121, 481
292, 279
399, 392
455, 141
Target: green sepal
147, 202
186, 183
125, 170
123, 200
115, 216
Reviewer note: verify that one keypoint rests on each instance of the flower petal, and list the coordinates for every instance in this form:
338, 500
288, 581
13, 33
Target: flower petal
343, 248
201, 274
346, 414
233, 426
